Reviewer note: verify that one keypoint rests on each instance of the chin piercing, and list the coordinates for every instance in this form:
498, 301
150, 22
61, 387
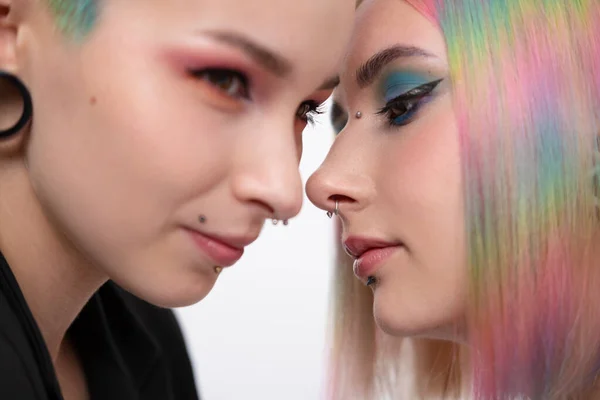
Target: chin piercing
336, 211
358, 115
218, 270
371, 281
202, 219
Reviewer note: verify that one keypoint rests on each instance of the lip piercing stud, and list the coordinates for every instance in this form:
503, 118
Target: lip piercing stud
286, 222
218, 270
274, 221
202, 219
358, 115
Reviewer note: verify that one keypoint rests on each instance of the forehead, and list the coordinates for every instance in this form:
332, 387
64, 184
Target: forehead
307, 32
381, 24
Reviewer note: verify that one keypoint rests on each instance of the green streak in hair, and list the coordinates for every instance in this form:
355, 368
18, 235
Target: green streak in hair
75, 18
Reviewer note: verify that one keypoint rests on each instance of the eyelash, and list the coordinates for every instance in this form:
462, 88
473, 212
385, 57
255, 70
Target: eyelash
410, 102
339, 118
307, 111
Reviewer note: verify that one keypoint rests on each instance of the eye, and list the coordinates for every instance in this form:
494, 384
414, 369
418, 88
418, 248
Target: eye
232, 83
339, 118
401, 110
308, 110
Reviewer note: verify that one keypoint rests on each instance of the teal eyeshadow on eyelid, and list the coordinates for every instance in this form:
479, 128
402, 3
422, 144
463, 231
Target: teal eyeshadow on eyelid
399, 82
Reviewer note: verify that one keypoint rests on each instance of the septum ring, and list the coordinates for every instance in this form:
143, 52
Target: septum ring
336, 211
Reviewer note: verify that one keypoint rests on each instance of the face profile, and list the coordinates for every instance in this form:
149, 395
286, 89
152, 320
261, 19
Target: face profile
400, 199
143, 145
165, 133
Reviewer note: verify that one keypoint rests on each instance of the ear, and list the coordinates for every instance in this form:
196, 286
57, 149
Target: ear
11, 100
10, 11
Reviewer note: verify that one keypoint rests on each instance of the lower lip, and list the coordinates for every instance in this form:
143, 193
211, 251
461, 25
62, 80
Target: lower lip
223, 254
368, 263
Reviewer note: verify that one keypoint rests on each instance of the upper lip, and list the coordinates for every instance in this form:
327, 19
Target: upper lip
356, 246
237, 242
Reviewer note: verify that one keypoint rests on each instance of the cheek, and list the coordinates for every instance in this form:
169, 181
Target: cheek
425, 193
423, 179
132, 152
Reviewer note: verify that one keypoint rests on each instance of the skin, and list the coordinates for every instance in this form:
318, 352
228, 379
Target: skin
401, 184
127, 148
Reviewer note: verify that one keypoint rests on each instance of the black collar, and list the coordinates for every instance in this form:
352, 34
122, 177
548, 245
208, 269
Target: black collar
117, 350
114, 345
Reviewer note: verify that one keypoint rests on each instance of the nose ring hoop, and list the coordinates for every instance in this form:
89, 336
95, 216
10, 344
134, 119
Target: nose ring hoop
336, 211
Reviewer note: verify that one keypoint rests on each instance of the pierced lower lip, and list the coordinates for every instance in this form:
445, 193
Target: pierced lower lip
368, 263
222, 254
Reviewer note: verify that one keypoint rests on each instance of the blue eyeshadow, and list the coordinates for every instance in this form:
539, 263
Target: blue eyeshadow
399, 82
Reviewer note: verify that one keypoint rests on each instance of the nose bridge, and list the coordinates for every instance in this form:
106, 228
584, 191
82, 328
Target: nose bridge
268, 169
343, 176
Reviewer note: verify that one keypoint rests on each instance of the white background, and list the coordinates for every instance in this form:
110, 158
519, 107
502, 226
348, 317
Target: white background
260, 334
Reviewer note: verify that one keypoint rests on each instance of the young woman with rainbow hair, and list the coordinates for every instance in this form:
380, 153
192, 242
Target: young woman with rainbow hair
465, 175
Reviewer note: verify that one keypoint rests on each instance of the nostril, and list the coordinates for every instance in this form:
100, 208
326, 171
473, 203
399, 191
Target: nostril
335, 202
264, 205
340, 198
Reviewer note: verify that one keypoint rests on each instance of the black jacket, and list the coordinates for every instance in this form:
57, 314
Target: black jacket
130, 350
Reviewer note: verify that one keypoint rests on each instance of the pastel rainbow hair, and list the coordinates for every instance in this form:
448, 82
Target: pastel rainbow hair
526, 84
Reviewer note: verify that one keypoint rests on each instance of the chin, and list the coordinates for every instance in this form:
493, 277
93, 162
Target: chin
180, 292
413, 320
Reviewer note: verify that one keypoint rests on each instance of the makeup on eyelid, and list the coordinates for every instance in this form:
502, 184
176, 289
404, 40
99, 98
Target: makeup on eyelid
206, 55
396, 83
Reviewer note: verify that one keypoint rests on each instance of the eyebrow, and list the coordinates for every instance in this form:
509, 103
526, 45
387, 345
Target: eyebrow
268, 59
370, 70
330, 83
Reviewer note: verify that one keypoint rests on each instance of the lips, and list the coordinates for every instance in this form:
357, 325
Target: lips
224, 251
369, 254
356, 246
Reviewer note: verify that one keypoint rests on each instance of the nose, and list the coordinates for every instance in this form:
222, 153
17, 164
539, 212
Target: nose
339, 180
268, 171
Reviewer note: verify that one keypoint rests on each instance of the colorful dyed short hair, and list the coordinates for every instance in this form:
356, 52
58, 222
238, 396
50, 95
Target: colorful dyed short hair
526, 83
75, 18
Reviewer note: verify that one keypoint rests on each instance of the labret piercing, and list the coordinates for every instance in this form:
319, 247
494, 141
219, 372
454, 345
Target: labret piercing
336, 211
358, 115
276, 221
217, 269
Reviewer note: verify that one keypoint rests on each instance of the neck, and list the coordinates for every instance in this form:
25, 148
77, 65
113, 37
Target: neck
55, 279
